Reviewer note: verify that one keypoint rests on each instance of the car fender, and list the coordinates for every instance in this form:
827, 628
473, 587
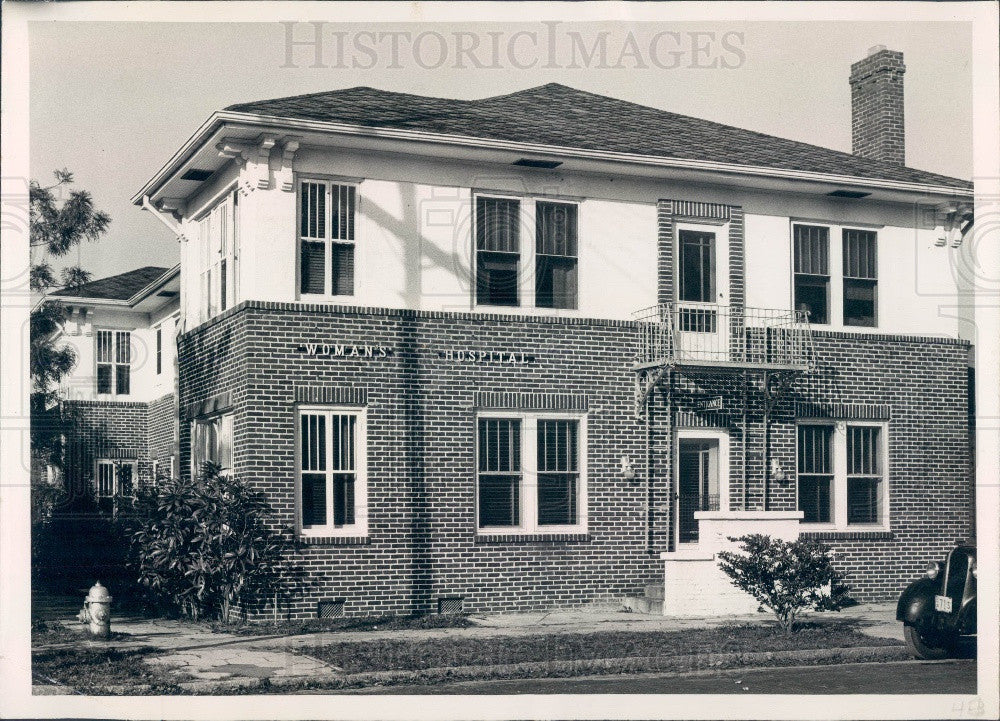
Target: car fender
916, 603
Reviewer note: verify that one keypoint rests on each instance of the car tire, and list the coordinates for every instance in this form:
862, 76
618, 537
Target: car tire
926, 646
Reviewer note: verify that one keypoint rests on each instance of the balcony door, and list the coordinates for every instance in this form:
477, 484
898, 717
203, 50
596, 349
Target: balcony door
701, 318
701, 479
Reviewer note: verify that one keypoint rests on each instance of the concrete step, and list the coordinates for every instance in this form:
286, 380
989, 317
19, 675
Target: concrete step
641, 604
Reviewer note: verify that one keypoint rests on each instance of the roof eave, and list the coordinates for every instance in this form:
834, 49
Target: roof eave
136, 298
223, 117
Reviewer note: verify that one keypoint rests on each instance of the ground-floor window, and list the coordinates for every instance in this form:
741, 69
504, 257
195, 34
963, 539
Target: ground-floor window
531, 472
841, 474
113, 480
212, 442
331, 471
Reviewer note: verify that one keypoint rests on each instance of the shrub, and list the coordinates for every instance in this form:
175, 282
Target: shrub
208, 545
786, 577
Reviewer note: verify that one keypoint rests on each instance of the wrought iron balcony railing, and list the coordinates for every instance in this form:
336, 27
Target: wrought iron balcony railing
710, 334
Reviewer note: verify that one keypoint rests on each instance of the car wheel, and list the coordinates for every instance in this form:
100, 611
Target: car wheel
926, 646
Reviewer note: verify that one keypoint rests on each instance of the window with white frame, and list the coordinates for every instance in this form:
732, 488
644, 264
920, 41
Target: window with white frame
841, 474
326, 230
212, 442
159, 350
332, 482
114, 362
502, 259
812, 272
860, 277
531, 473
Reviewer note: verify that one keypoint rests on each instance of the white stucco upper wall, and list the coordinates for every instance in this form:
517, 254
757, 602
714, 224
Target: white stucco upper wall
414, 243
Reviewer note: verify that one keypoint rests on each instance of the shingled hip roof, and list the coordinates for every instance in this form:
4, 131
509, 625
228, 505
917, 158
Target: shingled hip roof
561, 116
116, 287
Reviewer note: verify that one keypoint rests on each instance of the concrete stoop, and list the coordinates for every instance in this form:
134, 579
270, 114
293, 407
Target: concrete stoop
651, 600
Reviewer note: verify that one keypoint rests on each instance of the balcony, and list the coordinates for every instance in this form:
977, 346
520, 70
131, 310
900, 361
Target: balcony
722, 336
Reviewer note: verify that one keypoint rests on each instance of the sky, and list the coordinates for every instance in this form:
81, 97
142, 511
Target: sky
113, 101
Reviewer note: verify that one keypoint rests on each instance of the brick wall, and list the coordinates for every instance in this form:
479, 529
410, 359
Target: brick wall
877, 129
421, 406
104, 429
160, 423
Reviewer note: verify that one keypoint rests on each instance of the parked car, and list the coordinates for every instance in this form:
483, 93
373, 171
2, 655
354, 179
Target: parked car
939, 608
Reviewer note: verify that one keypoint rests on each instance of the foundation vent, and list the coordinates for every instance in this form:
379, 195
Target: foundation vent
450, 604
331, 609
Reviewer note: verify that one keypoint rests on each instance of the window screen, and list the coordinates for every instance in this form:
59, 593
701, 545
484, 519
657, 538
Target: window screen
555, 255
499, 451
498, 250
860, 277
815, 473
558, 472
864, 475
327, 218
812, 272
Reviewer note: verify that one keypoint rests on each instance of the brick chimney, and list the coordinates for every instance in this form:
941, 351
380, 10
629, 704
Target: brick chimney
877, 106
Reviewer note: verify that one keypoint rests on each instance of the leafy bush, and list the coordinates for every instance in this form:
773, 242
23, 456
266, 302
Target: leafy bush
786, 577
206, 546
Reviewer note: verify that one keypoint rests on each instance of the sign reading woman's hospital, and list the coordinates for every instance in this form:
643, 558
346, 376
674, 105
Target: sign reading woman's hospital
454, 355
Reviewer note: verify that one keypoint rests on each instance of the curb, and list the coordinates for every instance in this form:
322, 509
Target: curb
559, 669
533, 669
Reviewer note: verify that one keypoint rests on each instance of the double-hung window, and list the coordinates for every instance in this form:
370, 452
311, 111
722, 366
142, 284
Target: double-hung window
498, 250
841, 474
114, 359
327, 219
531, 473
812, 272
555, 255
860, 277
815, 465
212, 442
502, 260
332, 479
159, 350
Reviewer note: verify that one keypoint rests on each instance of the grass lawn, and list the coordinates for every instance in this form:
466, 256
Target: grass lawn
93, 669
368, 623
414, 654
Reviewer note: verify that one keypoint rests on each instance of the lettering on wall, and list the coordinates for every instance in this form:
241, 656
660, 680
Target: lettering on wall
345, 350
463, 355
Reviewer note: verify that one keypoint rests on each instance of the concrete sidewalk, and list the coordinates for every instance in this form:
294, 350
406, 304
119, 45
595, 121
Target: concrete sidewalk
202, 657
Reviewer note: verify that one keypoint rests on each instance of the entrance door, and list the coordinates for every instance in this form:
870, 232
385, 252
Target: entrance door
697, 483
701, 320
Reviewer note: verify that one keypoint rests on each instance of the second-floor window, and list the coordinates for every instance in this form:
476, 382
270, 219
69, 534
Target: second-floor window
502, 258
812, 272
159, 351
326, 237
114, 362
860, 277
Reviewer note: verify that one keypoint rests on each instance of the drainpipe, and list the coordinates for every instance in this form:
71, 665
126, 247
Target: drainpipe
649, 476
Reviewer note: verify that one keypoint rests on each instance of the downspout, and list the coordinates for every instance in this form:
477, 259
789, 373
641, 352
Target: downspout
649, 477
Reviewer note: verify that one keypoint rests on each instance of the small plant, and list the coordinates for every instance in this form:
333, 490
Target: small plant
207, 545
786, 577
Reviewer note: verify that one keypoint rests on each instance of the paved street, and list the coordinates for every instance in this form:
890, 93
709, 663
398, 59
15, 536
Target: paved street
957, 676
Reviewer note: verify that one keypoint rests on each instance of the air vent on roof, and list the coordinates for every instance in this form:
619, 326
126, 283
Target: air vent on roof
530, 163
848, 194
198, 175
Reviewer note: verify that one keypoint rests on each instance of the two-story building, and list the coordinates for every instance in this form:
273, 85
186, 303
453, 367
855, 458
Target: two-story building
551, 347
119, 402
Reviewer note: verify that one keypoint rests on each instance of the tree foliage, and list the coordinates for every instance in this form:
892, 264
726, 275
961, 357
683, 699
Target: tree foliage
786, 577
56, 226
207, 545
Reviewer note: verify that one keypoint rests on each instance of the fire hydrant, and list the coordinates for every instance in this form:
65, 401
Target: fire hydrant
97, 611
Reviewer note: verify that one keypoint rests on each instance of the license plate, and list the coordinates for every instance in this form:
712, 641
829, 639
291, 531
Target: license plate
942, 603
